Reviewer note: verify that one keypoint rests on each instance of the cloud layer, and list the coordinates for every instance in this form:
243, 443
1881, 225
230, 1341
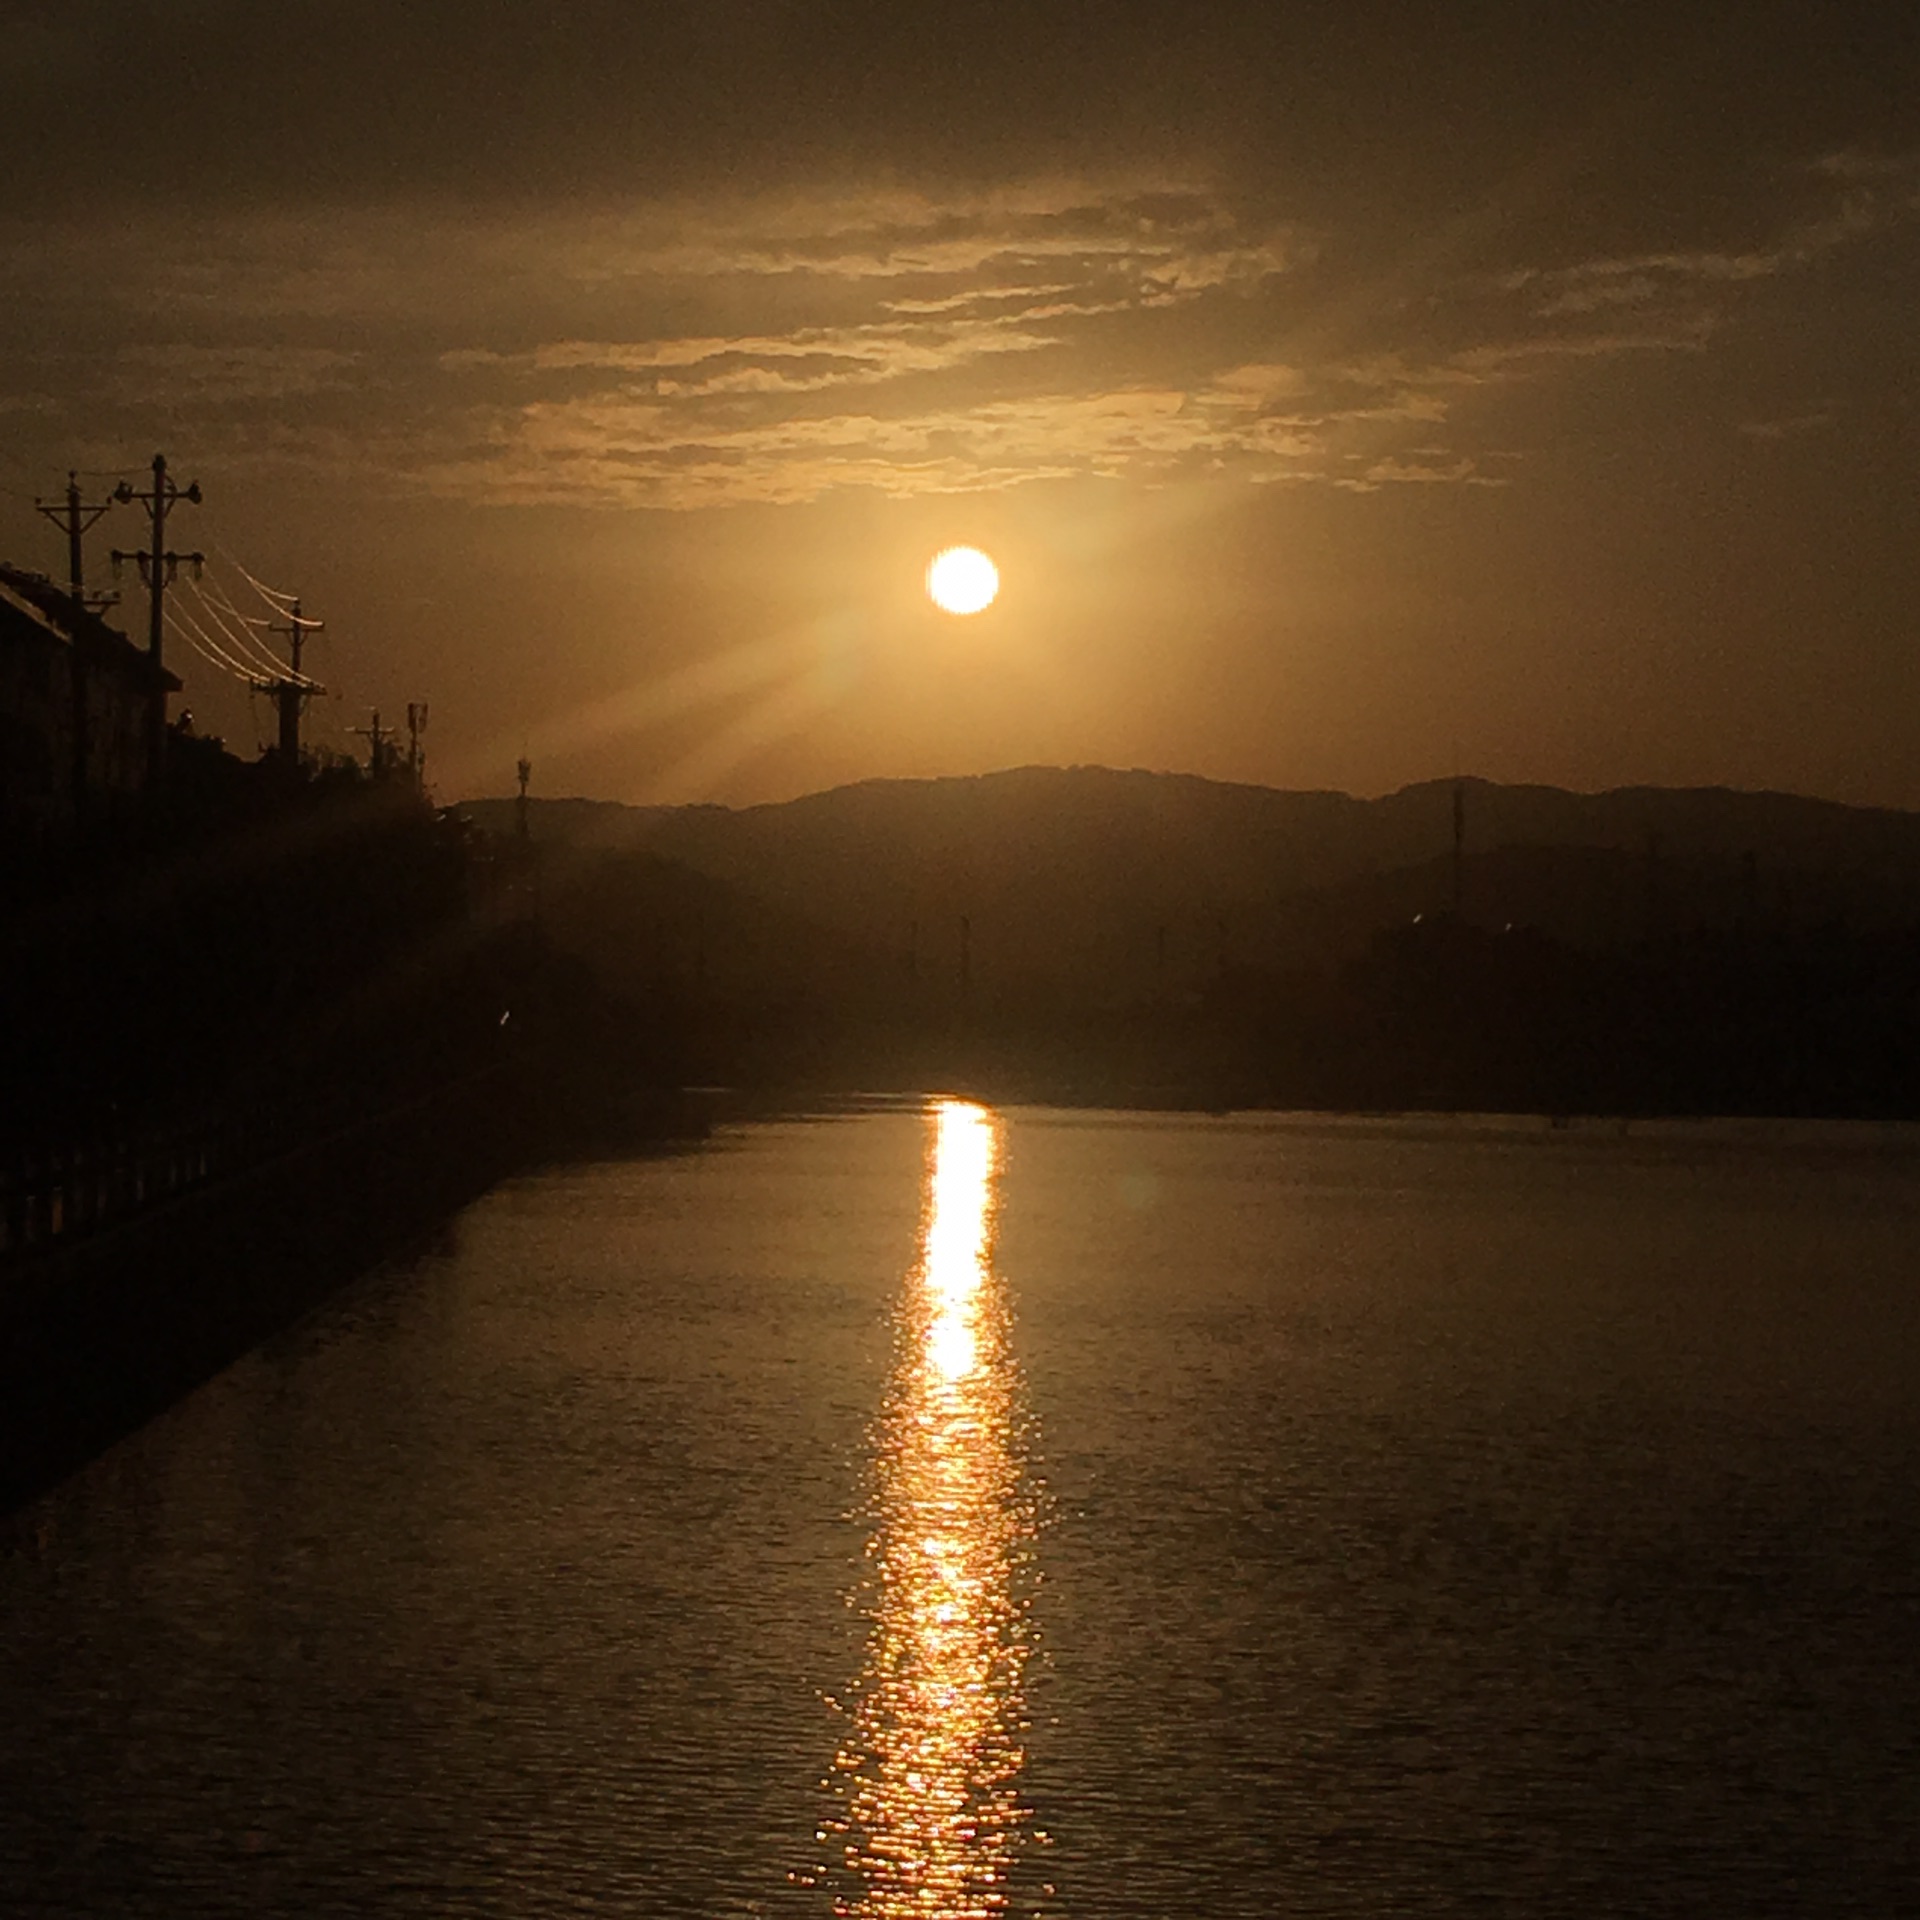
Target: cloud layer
774, 349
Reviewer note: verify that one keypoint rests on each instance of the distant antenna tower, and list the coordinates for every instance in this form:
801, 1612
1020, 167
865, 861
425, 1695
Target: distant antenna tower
1459, 843
525, 771
416, 754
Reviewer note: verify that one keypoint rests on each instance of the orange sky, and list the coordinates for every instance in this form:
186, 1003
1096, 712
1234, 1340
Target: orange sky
1346, 396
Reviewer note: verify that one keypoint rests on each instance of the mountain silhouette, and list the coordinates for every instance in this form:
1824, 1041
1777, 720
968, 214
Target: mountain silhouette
1130, 881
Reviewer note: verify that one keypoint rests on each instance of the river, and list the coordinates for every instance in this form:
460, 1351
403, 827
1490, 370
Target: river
932, 1511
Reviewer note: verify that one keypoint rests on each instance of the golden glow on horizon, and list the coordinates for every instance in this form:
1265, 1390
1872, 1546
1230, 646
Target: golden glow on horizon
928, 1778
962, 580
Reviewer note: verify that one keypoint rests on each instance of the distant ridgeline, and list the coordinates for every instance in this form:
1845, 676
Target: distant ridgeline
262, 949
1128, 935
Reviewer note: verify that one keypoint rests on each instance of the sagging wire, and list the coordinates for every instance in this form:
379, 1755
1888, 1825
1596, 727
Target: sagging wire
280, 603
219, 603
239, 639
265, 660
224, 599
179, 632
209, 649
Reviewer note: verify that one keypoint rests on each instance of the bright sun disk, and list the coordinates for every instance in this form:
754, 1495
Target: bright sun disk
962, 580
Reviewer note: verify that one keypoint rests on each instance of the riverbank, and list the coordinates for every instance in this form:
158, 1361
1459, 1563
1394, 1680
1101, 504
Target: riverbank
102, 1330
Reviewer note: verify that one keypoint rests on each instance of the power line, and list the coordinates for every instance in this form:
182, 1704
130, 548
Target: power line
208, 648
239, 641
225, 600
262, 658
243, 642
206, 653
278, 601
284, 683
298, 625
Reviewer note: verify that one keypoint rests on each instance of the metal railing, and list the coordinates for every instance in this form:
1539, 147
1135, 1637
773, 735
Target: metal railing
56, 1193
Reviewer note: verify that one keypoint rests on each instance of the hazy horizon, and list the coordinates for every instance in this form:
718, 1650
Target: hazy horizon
1345, 394
507, 794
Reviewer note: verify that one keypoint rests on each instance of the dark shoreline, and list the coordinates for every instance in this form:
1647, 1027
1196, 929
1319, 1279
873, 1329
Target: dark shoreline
800, 1100
101, 1332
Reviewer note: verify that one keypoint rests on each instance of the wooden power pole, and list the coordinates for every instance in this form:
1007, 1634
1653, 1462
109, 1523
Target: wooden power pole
157, 567
290, 691
73, 516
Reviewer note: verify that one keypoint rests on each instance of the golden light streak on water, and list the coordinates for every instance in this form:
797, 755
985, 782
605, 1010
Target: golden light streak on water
928, 1782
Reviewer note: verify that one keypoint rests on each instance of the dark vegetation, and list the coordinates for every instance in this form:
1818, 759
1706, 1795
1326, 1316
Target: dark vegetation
1085, 934
260, 1034
287, 952
262, 945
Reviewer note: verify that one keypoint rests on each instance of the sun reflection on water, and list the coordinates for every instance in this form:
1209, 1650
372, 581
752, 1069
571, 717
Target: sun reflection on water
930, 1815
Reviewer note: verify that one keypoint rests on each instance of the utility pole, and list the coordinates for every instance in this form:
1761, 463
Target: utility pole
376, 737
290, 692
157, 568
524, 894
73, 516
157, 565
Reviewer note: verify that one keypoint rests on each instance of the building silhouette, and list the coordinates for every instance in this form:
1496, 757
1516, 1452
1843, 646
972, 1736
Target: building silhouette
80, 710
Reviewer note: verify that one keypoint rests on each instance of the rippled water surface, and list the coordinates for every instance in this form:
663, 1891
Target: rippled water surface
950, 1513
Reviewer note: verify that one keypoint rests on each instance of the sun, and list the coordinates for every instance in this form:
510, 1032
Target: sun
962, 580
